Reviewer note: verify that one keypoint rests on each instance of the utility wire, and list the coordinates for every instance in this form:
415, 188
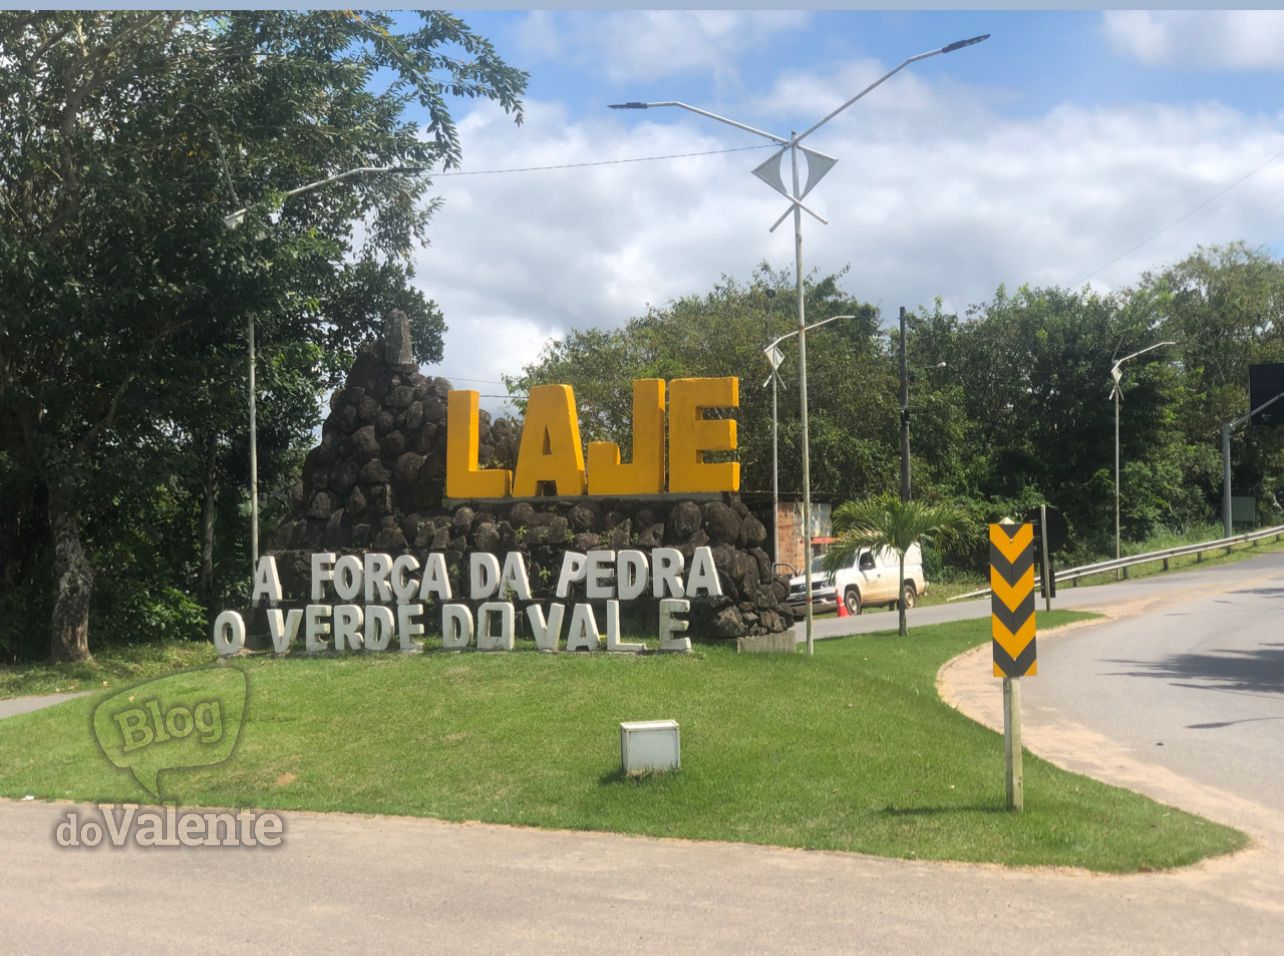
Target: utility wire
1180, 219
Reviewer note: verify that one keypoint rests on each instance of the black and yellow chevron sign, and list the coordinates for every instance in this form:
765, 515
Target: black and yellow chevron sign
1012, 600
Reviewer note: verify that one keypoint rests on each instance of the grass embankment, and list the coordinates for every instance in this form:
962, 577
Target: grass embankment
850, 750
113, 667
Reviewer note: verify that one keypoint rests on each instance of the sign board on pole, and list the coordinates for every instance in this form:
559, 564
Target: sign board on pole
1264, 383
1012, 602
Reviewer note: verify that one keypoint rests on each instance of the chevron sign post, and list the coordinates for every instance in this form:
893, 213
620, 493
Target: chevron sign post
1012, 599
1012, 628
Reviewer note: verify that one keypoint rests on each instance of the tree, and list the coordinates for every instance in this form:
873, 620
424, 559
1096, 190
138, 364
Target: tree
723, 332
124, 139
888, 522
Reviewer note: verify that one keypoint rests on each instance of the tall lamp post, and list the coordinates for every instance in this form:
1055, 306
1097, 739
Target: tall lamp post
1116, 392
776, 357
818, 164
233, 220
1227, 428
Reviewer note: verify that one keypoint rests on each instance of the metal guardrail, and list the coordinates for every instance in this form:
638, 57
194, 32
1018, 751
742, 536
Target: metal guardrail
1083, 571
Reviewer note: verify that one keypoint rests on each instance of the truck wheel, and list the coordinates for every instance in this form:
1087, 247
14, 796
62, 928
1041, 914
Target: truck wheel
851, 597
909, 595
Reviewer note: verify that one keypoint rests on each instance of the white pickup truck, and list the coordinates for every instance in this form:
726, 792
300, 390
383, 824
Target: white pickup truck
867, 581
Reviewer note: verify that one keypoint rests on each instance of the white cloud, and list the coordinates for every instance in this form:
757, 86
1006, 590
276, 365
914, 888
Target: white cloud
1223, 39
633, 45
933, 195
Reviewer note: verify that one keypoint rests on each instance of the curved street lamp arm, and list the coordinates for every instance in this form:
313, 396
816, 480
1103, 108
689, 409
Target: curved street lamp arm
713, 116
948, 48
233, 219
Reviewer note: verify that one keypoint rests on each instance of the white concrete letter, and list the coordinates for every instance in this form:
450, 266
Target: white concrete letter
377, 567
669, 625
483, 575
267, 583
347, 577
436, 580
546, 635
316, 625
703, 575
574, 565
666, 573
631, 574
229, 633
504, 640
456, 627
380, 623
284, 628
581, 634
613, 642
322, 571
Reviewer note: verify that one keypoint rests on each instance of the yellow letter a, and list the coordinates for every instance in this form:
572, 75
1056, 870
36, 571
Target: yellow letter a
550, 449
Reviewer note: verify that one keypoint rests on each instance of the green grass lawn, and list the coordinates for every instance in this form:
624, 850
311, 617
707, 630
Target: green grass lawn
849, 750
113, 667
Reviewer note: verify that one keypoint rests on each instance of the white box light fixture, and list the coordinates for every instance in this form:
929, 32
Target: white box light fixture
650, 745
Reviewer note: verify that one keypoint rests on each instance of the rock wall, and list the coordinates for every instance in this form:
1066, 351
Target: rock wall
376, 482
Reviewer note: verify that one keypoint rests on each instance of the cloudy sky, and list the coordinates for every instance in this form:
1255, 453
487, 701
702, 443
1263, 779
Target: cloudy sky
1069, 148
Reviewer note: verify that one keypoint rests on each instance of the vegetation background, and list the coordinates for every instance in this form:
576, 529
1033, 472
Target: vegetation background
124, 303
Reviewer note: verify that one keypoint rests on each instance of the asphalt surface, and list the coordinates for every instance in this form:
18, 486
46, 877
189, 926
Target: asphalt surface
1192, 661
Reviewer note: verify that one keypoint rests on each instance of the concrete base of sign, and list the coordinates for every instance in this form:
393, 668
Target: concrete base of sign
782, 643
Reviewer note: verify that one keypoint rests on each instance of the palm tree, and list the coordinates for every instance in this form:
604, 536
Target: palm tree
888, 522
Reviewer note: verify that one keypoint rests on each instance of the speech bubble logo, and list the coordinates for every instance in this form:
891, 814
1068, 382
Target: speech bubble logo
185, 720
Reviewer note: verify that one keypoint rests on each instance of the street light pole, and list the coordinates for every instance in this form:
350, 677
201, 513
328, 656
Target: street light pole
1116, 373
905, 417
818, 164
233, 220
1227, 428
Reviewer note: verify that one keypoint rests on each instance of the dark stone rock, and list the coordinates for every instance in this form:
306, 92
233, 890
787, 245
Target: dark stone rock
620, 535
373, 472
684, 520
346, 420
407, 468
338, 530
721, 523
342, 477
441, 539
392, 445
390, 539
320, 506
384, 423
486, 537
559, 530
401, 396
356, 503
652, 537
367, 410
414, 416
434, 409
380, 498
522, 514
583, 517
364, 444
755, 532
586, 541
729, 622
463, 518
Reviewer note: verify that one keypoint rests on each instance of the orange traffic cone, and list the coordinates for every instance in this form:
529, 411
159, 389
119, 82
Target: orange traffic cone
842, 608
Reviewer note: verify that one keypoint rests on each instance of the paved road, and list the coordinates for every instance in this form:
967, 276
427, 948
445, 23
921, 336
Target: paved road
13, 706
1195, 686
343, 882
1088, 598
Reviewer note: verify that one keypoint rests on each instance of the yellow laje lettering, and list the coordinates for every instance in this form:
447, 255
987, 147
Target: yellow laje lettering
691, 435
464, 479
645, 474
550, 449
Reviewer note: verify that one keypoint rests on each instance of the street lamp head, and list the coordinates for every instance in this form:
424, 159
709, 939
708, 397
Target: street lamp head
628, 106
960, 44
